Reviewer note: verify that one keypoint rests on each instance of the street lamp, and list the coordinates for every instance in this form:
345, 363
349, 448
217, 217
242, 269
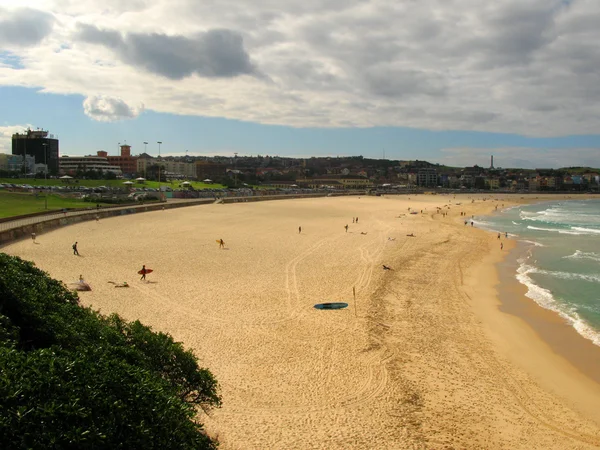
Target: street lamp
159, 142
45, 145
235, 167
145, 160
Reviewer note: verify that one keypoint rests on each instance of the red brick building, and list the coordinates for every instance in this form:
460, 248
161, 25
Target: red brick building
125, 161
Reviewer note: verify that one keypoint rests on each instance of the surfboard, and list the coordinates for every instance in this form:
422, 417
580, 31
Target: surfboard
141, 272
334, 305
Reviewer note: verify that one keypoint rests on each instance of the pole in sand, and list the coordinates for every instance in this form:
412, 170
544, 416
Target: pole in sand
354, 293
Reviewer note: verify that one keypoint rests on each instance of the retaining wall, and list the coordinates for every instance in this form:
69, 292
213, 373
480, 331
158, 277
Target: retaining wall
23, 227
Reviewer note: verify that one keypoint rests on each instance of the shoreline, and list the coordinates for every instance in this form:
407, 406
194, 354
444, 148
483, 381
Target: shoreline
577, 358
422, 358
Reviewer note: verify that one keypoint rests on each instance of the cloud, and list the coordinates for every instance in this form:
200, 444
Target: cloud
109, 109
6, 133
215, 53
514, 67
24, 27
523, 157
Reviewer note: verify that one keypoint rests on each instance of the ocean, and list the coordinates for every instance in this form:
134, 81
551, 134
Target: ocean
560, 260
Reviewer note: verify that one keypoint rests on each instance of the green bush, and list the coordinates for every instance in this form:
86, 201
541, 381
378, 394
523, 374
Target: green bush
71, 378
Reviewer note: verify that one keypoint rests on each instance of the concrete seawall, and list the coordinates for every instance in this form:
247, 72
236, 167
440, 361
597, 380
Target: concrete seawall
22, 227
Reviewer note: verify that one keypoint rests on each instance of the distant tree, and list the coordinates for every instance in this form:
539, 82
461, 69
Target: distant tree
71, 378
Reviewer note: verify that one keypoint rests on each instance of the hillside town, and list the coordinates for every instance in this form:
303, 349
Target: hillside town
36, 152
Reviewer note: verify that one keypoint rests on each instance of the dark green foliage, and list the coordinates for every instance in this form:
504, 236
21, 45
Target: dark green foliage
71, 378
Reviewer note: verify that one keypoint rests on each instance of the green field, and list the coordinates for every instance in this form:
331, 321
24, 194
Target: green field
17, 203
110, 183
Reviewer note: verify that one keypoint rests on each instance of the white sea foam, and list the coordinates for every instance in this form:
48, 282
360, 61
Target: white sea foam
586, 230
584, 255
555, 230
537, 244
568, 275
545, 299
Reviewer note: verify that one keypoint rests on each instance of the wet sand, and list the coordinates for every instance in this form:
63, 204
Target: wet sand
422, 358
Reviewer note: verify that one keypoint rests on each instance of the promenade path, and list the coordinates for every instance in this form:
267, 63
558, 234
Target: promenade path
8, 224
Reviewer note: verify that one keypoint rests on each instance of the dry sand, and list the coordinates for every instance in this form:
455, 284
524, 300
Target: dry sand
423, 359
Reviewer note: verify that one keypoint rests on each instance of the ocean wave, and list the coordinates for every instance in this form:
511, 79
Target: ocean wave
568, 275
545, 299
584, 255
555, 230
586, 230
537, 244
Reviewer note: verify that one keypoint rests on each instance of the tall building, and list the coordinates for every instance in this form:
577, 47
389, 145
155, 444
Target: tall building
39, 144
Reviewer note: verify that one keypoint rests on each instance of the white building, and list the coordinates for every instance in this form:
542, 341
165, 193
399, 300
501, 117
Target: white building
16, 163
69, 165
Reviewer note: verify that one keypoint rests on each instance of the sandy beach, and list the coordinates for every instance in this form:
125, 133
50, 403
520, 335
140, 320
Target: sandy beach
425, 356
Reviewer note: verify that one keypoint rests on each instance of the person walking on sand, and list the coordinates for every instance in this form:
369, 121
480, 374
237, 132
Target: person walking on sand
33, 237
501, 245
75, 251
299, 230
346, 227
143, 272
221, 243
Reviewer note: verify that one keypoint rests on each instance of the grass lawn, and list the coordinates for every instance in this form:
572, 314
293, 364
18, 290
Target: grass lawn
112, 183
17, 204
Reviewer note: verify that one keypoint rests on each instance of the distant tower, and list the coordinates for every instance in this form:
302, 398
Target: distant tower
492, 166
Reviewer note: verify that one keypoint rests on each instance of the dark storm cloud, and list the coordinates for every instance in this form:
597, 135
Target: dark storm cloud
212, 54
24, 27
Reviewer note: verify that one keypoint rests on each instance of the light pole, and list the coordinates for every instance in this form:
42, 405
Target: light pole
45, 145
145, 160
159, 142
235, 167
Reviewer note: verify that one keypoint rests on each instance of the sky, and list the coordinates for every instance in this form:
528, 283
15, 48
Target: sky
447, 81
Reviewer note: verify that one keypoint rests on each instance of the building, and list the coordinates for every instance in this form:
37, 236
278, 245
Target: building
427, 177
178, 170
143, 162
70, 165
346, 181
16, 163
125, 161
39, 144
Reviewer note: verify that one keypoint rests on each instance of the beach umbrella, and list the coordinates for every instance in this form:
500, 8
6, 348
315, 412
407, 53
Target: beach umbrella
127, 182
186, 183
66, 177
140, 179
208, 180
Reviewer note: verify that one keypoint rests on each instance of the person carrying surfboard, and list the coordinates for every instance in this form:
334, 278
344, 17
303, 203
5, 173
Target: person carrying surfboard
221, 243
143, 272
